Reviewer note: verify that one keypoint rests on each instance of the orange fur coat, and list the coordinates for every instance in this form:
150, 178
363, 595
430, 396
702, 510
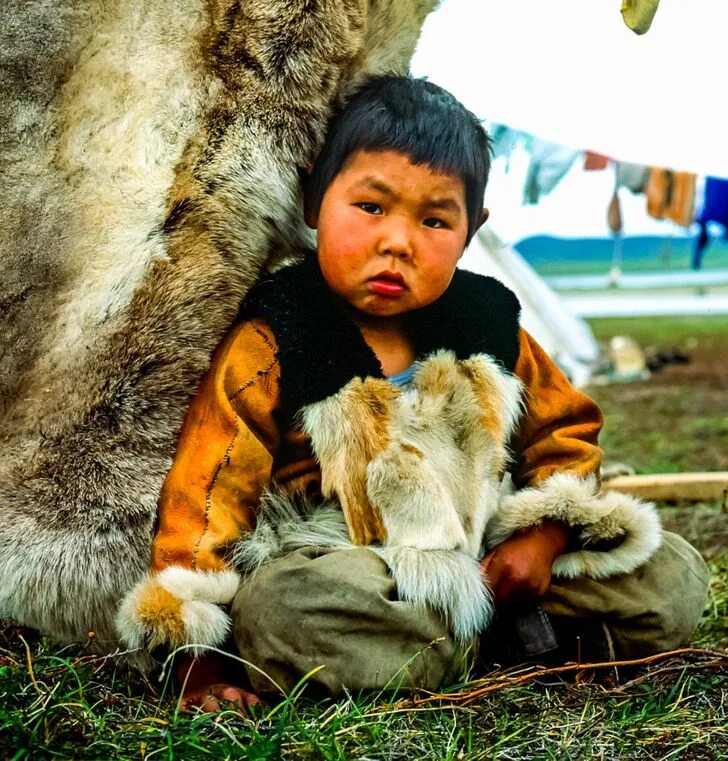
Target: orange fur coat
298, 403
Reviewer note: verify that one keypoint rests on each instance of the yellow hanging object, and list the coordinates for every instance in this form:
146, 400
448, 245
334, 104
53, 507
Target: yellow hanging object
638, 14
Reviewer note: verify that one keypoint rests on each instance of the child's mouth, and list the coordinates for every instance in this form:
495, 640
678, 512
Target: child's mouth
387, 284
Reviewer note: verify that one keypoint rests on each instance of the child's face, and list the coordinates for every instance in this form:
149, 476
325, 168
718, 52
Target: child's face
390, 233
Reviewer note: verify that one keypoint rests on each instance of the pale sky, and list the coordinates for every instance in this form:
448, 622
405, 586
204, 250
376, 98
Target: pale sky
570, 71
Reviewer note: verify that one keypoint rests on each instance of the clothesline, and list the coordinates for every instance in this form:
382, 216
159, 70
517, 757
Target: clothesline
669, 194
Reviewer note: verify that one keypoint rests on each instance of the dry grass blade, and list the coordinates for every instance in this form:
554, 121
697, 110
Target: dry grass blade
496, 683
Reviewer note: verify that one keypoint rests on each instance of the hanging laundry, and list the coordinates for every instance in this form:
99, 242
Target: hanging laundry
548, 165
595, 162
614, 214
671, 195
503, 139
715, 204
631, 176
715, 209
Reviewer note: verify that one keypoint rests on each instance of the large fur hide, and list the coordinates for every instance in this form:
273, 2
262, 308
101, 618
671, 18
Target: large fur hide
427, 462
150, 160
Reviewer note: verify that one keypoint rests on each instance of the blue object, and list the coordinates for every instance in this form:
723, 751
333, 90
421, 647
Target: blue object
715, 209
715, 206
404, 378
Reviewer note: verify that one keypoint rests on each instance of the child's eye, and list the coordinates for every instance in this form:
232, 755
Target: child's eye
370, 208
434, 222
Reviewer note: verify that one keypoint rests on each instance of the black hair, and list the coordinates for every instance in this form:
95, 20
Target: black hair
414, 117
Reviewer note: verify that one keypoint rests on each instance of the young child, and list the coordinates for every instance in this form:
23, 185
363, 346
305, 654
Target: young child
376, 378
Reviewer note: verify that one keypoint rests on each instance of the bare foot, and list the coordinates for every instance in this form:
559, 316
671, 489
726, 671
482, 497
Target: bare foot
214, 697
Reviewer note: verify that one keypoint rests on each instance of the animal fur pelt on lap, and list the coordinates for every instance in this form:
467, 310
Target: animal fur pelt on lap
416, 474
426, 464
447, 580
149, 170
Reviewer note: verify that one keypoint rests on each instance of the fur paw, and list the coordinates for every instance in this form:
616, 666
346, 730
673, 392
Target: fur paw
177, 607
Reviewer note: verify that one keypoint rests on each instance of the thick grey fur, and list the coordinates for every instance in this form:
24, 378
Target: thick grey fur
149, 159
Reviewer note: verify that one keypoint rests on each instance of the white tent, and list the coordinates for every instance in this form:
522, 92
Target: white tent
565, 337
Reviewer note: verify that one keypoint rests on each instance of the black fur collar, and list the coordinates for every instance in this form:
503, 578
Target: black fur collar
320, 350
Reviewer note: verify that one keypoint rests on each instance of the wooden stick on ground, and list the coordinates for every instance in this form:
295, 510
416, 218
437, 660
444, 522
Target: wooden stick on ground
697, 487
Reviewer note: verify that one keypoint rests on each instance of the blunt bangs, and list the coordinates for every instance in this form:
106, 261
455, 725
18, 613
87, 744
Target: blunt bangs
416, 118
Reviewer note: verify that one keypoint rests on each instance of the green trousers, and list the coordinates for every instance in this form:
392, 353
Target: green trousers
338, 609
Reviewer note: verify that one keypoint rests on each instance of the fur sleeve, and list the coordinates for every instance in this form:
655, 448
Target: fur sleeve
556, 458
224, 460
559, 427
616, 533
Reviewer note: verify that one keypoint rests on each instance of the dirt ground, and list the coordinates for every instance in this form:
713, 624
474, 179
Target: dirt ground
677, 420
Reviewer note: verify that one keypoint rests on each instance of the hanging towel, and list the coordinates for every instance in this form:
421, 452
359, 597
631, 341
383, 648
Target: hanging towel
631, 176
503, 139
671, 195
549, 163
594, 162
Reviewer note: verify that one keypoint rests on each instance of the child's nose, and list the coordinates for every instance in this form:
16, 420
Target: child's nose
396, 239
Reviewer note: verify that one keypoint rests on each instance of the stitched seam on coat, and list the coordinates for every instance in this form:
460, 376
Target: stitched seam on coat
265, 338
208, 497
261, 373
258, 376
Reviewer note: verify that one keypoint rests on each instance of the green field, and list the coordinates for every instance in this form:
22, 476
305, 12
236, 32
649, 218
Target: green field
62, 703
592, 256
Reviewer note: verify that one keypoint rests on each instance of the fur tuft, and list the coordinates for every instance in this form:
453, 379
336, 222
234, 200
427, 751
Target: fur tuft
217, 587
638, 525
288, 523
206, 625
177, 607
617, 532
149, 616
450, 582
417, 511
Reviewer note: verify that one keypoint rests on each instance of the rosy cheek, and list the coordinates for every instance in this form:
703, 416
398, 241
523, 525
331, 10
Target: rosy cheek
356, 238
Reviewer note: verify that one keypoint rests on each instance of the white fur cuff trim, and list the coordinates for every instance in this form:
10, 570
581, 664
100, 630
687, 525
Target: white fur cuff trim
177, 607
629, 524
210, 586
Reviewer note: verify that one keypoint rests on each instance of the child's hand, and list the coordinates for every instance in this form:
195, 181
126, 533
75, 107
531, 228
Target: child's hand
519, 569
206, 684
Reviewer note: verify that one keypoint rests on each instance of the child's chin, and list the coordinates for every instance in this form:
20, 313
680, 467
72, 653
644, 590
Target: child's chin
386, 310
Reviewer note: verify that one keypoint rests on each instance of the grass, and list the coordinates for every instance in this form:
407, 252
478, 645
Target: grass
61, 703
80, 707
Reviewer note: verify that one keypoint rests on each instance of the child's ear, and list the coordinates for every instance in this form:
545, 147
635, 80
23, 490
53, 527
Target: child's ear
483, 217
